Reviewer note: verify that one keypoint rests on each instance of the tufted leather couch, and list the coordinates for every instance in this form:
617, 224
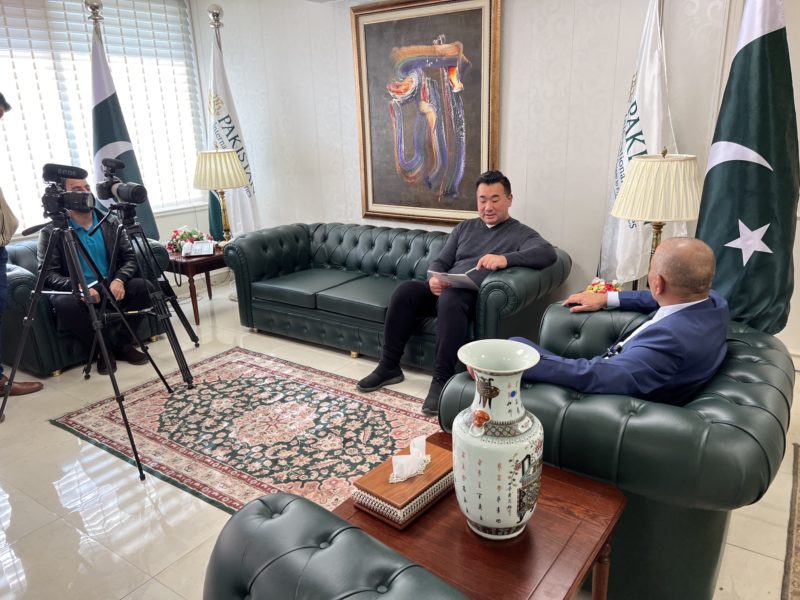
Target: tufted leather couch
47, 350
330, 283
284, 546
683, 469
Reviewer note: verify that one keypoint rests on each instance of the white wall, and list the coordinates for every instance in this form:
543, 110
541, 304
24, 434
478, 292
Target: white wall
565, 75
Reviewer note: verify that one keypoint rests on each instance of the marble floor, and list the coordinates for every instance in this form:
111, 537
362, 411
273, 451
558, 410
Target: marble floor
78, 524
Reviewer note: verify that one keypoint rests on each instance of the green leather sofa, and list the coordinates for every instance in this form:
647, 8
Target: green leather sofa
284, 546
682, 469
330, 283
48, 350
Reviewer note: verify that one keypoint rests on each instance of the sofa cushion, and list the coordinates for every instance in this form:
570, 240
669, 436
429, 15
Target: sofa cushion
365, 298
301, 287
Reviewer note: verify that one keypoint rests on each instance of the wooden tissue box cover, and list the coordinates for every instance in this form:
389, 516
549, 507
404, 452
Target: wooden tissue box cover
400, 503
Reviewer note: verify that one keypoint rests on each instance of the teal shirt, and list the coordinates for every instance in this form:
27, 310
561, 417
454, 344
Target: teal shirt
96, 247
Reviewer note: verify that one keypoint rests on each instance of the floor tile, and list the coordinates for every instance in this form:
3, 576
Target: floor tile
59, 561
746, 575
150, 523
186, 575
20, 514
153, 590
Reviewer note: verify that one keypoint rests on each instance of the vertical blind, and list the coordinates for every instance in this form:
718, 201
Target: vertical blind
45, 74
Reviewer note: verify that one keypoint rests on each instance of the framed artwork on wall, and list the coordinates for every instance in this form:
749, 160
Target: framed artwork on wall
427, 89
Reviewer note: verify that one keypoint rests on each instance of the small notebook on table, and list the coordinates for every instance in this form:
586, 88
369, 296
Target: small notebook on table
398, 504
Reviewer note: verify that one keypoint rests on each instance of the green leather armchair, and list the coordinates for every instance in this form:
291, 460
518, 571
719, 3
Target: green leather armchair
330, 283
48, 350
683, 469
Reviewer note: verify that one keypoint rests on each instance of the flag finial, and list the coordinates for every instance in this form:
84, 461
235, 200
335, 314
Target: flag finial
94, 7
215, 13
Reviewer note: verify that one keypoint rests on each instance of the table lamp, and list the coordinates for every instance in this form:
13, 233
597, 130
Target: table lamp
220, 170
659, 188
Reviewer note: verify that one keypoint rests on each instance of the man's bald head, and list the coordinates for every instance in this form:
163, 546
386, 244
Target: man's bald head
687, 266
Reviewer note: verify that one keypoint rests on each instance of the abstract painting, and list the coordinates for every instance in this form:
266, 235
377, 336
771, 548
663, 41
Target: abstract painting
427, 74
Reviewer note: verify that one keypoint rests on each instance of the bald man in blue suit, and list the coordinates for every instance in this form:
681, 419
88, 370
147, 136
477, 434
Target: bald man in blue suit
668, 358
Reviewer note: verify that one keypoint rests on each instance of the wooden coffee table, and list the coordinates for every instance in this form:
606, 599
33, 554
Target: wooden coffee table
567, 536
194, 265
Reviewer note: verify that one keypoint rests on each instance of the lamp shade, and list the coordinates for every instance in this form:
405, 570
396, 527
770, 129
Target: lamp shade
659, 188
219, 170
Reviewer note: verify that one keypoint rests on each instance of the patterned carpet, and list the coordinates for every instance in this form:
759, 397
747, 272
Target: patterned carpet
254, 424
791, 566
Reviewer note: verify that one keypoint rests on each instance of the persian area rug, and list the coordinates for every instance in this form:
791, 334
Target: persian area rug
255, 424
791, 566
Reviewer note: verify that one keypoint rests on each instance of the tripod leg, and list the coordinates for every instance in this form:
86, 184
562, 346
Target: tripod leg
163, 282
79, 282
27, 323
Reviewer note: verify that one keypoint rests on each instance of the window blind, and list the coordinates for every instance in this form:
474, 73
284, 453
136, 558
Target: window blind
45, 74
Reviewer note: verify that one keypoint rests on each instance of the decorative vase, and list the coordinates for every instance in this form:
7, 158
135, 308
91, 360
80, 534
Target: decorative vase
497, 444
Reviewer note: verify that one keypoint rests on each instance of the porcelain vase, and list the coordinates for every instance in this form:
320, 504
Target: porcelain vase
497, 444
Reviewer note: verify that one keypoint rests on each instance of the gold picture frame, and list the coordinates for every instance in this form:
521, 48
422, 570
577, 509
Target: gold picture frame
427, 95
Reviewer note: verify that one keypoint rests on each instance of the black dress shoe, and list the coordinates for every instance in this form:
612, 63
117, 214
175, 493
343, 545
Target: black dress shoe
431, 405
101, 365
379, 378
130, 354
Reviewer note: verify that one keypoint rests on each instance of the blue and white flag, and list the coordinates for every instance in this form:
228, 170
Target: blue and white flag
224, 133
646, 129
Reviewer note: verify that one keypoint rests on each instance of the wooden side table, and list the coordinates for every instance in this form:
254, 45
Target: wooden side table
194, 265
567, 537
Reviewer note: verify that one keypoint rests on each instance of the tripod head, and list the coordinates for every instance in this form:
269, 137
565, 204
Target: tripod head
56, 201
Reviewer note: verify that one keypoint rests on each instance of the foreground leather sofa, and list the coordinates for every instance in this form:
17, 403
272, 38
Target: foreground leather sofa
682, 469
330, 283
283, 546
48, 350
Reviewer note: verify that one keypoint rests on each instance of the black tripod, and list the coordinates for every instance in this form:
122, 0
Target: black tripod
63, 236
149, 269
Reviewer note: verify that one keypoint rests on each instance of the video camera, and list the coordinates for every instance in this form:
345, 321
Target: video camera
55, 199
113, 187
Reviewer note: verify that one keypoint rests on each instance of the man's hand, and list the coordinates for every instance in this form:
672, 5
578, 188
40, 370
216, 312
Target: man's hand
117, 289
493, 262
586, 302
437, 285
94, 295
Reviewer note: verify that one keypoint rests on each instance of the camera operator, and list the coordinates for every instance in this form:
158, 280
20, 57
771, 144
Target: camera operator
8, 225
130, 292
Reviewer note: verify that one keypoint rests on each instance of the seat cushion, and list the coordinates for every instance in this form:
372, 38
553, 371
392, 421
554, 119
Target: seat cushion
366, 298
301, 287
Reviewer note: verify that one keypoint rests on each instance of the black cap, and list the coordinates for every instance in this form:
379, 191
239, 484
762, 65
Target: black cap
3, 104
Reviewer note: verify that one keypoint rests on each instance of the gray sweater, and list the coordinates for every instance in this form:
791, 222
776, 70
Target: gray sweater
471, 239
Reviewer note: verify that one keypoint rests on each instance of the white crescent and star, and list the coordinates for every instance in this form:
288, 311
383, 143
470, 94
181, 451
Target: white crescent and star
750, 241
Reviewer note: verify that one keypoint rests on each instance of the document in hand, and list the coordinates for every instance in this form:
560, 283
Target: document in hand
459, 280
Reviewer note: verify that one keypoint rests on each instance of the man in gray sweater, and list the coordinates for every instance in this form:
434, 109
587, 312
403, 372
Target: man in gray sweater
492, 241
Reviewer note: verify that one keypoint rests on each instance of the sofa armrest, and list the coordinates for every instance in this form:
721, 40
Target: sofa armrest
719, 452
284, 546
507, 292
585, 334
265, 254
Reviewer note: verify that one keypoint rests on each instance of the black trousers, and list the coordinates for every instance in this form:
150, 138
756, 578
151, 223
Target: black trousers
413, 300
73, 315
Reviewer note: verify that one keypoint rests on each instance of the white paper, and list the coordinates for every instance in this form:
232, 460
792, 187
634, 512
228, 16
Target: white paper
459, 280
409, 465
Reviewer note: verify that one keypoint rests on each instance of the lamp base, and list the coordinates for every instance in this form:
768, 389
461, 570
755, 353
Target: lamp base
657, 227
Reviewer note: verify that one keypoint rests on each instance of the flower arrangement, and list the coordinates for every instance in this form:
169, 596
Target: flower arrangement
183, 235
601, 286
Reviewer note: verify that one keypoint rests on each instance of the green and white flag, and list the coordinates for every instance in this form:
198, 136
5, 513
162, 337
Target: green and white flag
111, 139
646, 129
225, 133
749, 206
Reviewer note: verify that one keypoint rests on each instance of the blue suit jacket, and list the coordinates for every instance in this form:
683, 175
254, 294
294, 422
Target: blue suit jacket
668, 362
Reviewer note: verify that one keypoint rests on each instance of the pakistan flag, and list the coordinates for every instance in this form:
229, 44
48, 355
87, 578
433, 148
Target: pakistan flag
749, 203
